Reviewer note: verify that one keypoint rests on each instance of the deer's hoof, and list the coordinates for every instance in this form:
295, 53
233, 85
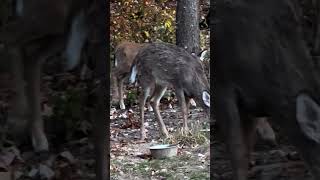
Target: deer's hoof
193, 103
122, 106
143, 137
165, 133
40, 142
143, 134
150, 109
185, 130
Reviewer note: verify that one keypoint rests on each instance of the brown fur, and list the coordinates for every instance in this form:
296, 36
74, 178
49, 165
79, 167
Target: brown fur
125, 53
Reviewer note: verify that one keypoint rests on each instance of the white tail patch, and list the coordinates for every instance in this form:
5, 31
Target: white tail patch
308, 116
206, 98
19, 7
133, 74
77, 38
115, 62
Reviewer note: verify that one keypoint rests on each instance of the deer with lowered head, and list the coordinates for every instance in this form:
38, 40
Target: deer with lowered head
263, 67
125, 52
163, 65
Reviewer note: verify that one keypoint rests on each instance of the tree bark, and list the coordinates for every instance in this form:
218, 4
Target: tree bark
99, 50
188, 31
316, 46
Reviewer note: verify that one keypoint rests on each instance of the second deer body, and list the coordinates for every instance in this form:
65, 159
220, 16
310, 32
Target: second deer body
163, 65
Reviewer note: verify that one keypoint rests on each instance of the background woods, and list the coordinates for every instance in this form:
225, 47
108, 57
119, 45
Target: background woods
148, 21
143, 21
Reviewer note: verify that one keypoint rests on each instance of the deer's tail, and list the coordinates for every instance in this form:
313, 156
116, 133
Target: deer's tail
133, 75
115, 62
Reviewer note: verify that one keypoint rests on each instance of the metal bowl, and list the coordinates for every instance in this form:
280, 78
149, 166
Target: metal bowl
161, 151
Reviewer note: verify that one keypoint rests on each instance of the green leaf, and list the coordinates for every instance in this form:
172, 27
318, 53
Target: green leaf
167, 24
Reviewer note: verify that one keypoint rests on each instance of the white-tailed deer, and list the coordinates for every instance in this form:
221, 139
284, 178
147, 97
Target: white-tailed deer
262, 67
42, 28
125, 53
162, 65
165, 73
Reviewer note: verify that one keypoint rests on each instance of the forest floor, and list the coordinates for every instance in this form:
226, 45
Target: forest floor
130, 159
72, 150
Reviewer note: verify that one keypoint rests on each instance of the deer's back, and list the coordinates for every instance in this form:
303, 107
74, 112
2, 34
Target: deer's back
125, 53
168, 64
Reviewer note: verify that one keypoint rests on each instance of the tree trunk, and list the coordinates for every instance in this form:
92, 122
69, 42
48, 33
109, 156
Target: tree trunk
188, 31
316, 46
99, 51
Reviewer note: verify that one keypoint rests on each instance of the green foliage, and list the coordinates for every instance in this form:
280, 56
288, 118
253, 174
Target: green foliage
142, 21
131, 97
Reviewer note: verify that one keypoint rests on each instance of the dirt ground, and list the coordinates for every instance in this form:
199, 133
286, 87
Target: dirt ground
131, 159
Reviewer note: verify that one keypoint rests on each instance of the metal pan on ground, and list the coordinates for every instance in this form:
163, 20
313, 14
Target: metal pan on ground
162, 151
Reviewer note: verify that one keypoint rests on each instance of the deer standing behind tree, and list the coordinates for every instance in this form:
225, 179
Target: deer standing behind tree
163, 65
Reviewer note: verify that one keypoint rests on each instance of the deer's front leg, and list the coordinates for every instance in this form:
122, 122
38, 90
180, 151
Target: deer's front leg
142, 102
249, 126
228, 118
32, 74
120, 89
184, 108
156, 97
114, 84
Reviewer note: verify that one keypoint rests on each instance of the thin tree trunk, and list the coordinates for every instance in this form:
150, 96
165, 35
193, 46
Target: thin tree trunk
99, 50
188, 31
316, 46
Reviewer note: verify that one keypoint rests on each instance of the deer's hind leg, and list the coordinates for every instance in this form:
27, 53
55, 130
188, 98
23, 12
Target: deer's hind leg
120, 92
142, 101
114, 86
35, 121
156, 97
238, 132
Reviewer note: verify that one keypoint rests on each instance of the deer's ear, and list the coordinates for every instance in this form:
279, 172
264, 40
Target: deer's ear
308, 116
206, 98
